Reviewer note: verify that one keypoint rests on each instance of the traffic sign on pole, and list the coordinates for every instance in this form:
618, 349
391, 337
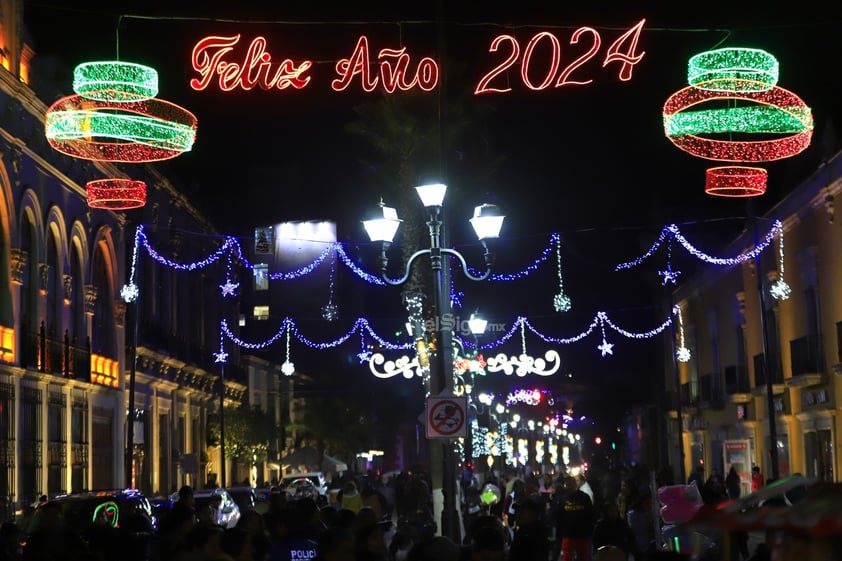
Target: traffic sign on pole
447, 417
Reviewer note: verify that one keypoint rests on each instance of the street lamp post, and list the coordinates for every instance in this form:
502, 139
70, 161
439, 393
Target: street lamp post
486, 222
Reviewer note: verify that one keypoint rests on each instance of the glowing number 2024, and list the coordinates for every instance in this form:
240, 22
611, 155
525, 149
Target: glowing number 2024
622, 50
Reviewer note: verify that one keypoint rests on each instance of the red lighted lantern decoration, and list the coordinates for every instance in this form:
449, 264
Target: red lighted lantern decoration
116, 194
735, 181
747, 80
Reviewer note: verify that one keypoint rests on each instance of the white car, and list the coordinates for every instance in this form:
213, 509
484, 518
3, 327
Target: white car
317, 478
228, 513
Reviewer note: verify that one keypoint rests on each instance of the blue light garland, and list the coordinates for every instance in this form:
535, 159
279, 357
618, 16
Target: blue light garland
360, 326
672, 231
600, 320
545, 254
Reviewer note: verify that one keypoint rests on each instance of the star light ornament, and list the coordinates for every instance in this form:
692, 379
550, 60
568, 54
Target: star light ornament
220, 357
669, 275
682, 353
605, 347
780, 290
229, 288
330, 311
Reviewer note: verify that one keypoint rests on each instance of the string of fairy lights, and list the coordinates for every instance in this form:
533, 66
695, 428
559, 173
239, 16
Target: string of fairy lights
232, 252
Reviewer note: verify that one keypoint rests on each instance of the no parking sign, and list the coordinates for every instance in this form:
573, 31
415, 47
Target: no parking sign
447, 417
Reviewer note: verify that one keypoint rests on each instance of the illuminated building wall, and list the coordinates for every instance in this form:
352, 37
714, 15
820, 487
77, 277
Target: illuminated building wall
723, 389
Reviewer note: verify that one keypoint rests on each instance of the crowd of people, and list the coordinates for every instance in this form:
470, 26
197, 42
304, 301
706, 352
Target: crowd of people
528, 518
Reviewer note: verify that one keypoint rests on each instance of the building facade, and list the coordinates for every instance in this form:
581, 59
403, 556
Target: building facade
65, 335
725, 408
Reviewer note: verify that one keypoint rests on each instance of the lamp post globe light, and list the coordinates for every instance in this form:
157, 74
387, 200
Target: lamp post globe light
486, 222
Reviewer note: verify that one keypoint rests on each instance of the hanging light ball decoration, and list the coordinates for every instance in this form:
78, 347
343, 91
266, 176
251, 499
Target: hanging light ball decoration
115, 81
747, 80
116, 194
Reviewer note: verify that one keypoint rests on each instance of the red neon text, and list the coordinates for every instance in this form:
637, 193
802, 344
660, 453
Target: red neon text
394, 70
622, 50
255, 70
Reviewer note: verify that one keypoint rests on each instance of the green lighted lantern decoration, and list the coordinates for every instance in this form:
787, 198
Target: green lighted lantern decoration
747, 79
115, 117
115, 81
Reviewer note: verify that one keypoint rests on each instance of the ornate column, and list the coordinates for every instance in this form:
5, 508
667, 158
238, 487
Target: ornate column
67, 283
17, 258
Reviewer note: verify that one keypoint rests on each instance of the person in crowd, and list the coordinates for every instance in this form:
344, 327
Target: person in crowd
575, 523
53, 540
438, 548
349, 497
610, 553
252, 522
172, 539
714, 491
371, 536
732, 484
584, 486
516, 494
10, 549
236, 546
204, 542
530, 539
611, 530
336, 544
639, 519
756, 479
627, 497
488, 544
290, 537
101, 537
698, 476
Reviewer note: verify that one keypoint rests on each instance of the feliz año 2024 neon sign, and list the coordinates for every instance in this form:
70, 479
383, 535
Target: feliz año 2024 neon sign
394, 69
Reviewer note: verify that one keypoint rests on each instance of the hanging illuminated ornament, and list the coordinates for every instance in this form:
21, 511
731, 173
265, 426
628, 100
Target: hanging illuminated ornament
474, 363
735, 181
221, 356
747, 79
115, 81
116, 194
330, 311
669, 274
288, 368
405, 366
780, 290
682, 353
561, 301
525, 364
605, 347
115, 117
129, 292
141, 131
229, 288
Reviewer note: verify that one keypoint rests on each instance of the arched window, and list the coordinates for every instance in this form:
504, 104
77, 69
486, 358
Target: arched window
103, 332
29, 291
78, 326
54, 287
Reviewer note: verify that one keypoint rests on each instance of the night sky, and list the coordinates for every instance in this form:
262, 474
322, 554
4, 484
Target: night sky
588, 161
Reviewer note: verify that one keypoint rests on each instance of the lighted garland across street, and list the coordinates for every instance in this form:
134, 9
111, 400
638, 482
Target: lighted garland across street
115, 81
116, 194
733, 67
668, 233
735, 181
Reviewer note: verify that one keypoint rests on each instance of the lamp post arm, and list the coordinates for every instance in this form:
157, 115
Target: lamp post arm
489, 259
403, 279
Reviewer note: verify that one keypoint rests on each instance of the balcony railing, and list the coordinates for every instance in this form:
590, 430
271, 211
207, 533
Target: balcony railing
706, 388
736, 379
158, 337
690, 393
806, 355
777, 376
55, 355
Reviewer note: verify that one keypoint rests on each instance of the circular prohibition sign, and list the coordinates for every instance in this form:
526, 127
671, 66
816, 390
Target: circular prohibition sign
447, 417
